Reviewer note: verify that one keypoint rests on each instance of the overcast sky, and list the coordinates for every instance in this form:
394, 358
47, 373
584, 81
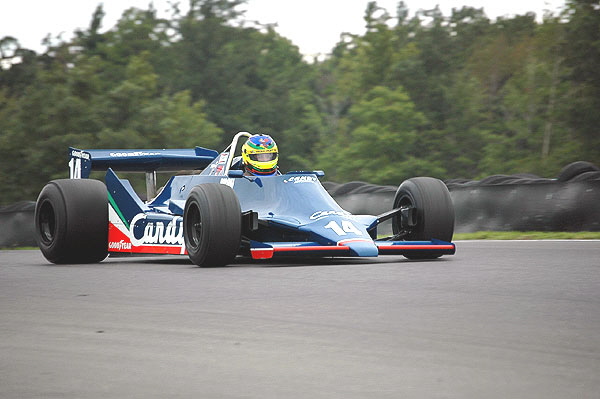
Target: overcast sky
313, 25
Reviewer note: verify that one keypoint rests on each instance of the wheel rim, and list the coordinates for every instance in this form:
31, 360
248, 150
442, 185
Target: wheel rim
405, 201
47, 223
194, 226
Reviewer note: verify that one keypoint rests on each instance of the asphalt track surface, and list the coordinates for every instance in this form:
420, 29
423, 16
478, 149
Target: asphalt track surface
497, 320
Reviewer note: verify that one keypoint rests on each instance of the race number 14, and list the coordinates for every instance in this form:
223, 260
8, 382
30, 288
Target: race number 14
346, 227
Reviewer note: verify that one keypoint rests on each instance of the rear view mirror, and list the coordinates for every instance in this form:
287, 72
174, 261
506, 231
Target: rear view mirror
235, 173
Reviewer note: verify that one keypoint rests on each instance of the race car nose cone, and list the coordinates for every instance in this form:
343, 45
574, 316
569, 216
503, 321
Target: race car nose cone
360, 246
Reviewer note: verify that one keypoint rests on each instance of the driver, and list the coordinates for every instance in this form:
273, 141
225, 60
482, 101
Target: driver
259, 155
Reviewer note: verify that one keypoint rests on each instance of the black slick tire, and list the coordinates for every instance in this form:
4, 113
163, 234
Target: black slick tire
71, 221
434, 213
212, 225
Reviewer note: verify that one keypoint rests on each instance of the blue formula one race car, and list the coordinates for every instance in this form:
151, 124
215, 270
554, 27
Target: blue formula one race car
221, 212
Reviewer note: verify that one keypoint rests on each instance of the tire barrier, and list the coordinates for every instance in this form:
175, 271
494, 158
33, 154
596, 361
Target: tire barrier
520, 202
550, 206
523, 202
16, 225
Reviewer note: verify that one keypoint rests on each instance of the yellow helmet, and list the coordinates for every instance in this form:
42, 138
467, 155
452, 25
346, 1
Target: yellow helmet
260, 155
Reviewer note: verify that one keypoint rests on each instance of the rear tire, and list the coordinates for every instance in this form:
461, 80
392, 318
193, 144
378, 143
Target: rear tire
71, 221
212, 225
434, 213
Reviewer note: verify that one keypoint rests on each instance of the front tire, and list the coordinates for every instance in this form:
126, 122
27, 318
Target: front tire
212, 225
71, 221
433, 210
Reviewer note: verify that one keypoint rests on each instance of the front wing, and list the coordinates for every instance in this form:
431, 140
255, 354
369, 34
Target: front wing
268, 250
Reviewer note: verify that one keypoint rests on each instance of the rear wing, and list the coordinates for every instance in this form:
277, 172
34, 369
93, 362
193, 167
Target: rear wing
82, 162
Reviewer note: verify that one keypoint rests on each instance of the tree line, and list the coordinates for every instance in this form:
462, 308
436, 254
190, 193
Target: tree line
458, 96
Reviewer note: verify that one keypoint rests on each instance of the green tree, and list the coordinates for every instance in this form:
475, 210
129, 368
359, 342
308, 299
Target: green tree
581, 49
385, 143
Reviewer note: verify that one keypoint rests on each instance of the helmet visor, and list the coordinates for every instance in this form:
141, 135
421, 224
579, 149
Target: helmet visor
263, 157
